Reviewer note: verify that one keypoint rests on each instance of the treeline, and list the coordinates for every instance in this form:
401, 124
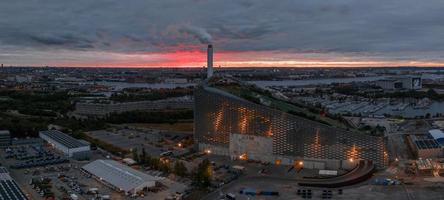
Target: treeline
430, 93
22, 127
30, 126
150, 95
46, 104
150, 117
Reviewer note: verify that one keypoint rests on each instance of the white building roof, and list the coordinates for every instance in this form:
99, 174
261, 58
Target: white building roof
119, 175
63, 139
436, 134
4, 132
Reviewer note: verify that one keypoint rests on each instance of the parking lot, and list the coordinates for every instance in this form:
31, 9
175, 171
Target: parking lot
64, 179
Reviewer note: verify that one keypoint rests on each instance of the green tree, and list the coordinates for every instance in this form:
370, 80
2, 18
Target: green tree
142, 158
135, 155
180, 169
165, 167
203, 174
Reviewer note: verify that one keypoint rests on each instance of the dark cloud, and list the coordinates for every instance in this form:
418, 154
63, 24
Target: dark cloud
343, 26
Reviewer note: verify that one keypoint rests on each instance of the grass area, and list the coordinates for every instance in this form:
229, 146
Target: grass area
179, 126
255, 95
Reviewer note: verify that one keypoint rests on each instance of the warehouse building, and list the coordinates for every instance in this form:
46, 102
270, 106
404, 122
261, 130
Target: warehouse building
425, 146
70, 146
5, 138
9, 190
119, 177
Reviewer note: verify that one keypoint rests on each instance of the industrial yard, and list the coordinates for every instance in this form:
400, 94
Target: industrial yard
44, 172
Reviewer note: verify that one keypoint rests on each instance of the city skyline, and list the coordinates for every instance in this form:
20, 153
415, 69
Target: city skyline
337, 33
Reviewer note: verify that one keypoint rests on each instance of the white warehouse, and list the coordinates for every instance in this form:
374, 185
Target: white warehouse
70, 146
120, 177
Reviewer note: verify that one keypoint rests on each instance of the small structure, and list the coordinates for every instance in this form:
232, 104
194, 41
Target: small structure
120, 177
129, 161
5, 138
70, 146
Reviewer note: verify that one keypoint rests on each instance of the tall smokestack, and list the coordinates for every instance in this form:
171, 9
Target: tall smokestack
210, 61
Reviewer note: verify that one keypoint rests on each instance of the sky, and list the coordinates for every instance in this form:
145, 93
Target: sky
245, 33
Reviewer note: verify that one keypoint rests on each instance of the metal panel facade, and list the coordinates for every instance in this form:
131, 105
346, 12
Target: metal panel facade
218, 114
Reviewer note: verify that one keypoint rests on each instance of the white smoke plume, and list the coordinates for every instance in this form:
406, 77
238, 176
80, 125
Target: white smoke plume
200, 33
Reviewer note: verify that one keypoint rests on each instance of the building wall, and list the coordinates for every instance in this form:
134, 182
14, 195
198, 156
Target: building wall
430, 153
56, 144
424, 153
5, 138
101, 109
219, 116
256, 147
67, 151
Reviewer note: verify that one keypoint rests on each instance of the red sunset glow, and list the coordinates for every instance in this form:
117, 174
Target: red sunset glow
238, 59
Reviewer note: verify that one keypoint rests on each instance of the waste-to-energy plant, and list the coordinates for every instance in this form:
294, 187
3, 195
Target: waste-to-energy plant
227, 123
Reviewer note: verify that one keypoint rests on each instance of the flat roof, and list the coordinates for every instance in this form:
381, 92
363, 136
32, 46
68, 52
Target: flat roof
63, 139
4, 132
118, 175
425, 141
9, 190
436, 133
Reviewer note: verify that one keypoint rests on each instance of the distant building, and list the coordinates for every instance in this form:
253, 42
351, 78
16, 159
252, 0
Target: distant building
120, 177
9, 188
389, 84
424, 146
103, 109
5, 138
176, 80
20, 79
26, 141
70, 146
398, 83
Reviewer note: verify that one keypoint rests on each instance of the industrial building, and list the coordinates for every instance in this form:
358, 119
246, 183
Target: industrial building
119, 177
102, 109
70, 146
9, 190
424, 146
398, 83
228, 125
5, 138
230, 120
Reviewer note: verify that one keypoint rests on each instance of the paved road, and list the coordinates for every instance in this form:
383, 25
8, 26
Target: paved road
246, 179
